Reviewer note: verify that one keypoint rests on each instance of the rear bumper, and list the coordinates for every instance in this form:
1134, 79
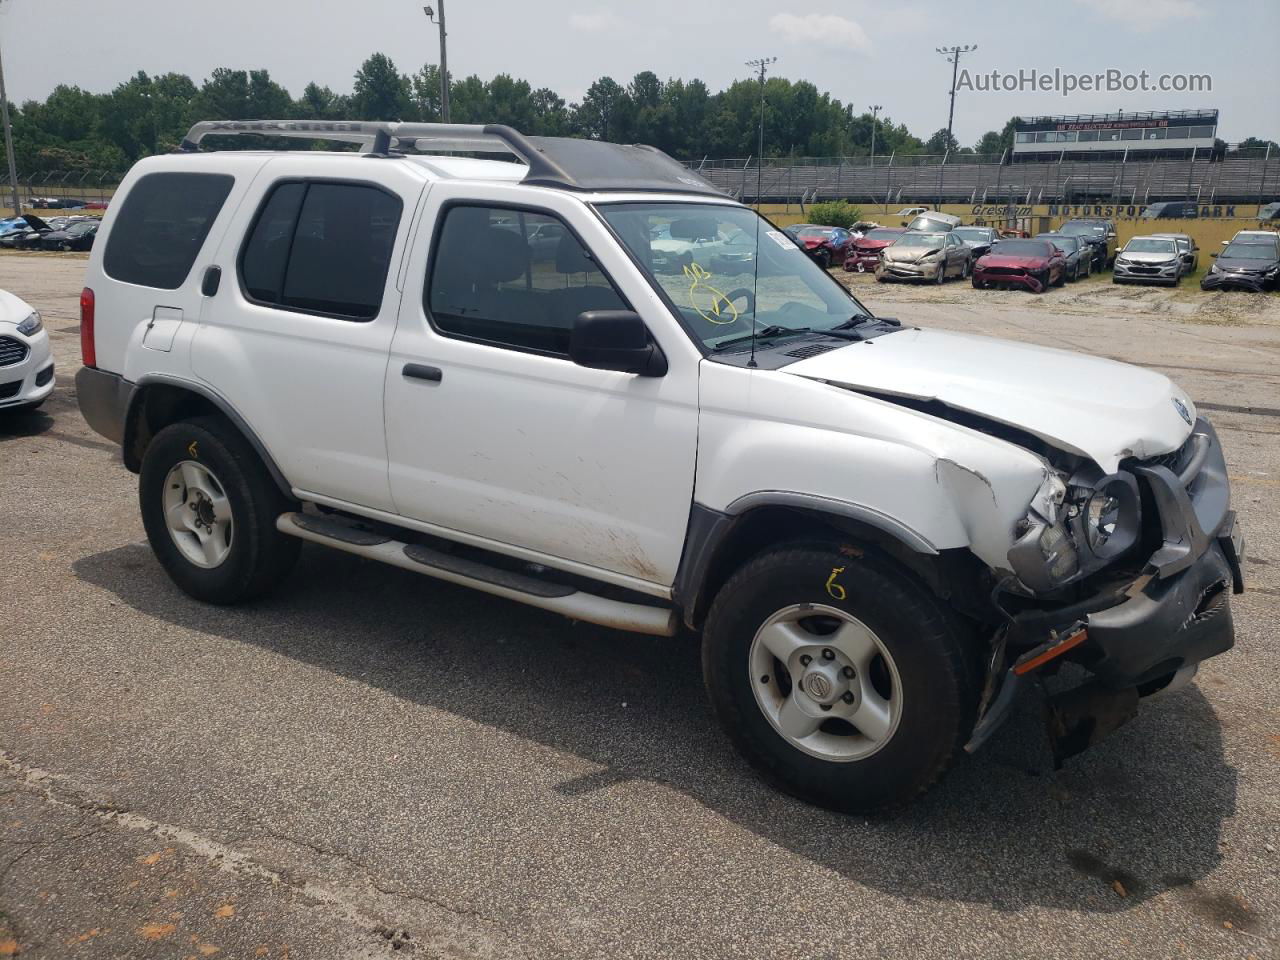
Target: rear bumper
104, 401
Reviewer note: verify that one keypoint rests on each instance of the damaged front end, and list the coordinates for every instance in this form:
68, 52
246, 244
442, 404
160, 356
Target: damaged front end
1128, 575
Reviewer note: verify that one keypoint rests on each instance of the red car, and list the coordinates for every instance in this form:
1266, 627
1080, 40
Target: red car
826, 245
864, 254
1033, 264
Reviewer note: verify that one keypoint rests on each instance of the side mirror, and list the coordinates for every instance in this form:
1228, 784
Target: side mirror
615, 340
1214, 253
904, 223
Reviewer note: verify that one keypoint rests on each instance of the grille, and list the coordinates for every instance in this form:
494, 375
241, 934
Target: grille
12, 350
1173, 459
44, 376
8, 390
809, 350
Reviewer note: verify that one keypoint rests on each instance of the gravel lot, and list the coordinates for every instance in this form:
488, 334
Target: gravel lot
375, 764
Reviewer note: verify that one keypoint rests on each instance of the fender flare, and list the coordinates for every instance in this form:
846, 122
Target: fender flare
709, 529
138, 397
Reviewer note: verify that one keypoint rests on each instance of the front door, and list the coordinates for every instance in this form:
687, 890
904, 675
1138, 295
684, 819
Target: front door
495, 436
297, 334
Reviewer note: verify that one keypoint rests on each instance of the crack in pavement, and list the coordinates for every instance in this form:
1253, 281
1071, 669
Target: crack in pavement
65, 794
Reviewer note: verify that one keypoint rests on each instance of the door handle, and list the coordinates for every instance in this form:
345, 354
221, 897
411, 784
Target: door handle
209, 283
420, 371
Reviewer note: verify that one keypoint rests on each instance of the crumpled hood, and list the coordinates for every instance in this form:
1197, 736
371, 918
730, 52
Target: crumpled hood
1098, 408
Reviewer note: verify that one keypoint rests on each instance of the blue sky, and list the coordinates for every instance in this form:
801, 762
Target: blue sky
862, 53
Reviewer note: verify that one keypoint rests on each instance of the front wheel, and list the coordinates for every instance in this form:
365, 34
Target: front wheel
209, 508
824, 260
838, 677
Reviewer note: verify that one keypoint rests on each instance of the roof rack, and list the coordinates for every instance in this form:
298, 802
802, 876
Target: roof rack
561, 162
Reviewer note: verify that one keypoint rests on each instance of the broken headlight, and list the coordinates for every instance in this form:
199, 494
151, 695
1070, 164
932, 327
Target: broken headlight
1069, 534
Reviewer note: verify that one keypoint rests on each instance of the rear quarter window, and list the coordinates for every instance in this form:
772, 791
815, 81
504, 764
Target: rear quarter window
161, 227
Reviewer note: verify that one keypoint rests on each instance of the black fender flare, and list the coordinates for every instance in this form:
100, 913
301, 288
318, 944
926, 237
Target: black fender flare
132, 457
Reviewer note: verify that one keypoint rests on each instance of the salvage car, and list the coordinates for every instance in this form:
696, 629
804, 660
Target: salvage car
924, 256
26, 365
1034, 265
979, 240
1149, 260
933, 222
826, 245
1188, 250
1101, 234
77, 235
1078, 254
883, 534
1244, 266
865, 253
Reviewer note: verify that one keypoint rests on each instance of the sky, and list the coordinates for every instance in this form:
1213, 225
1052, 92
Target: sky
861, 53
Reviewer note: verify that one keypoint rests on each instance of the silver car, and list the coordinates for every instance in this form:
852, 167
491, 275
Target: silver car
1187, 249
925, 256
1149, 260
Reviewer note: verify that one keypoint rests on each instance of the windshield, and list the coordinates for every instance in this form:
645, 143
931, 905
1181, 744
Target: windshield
920, 240
973, 234
1022, 248
1249, 251
884, 233
1082, 230
1065, 244
1150, 245
720, 288
78, 228
815, 232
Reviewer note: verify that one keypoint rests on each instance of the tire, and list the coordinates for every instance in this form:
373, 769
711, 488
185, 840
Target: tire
824, 260
929, 668
966, 270
256, 555
1062, 278
941, 276
978, 284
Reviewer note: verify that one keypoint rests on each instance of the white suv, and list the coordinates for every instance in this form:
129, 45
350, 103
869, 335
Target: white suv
881, 532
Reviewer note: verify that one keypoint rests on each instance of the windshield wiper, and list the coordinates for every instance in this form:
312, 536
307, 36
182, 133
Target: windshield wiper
771, 330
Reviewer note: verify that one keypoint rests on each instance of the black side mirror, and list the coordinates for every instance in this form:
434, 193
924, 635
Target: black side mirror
615, 340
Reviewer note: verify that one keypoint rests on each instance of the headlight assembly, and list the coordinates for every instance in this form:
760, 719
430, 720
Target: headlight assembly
1106, 518
31, 325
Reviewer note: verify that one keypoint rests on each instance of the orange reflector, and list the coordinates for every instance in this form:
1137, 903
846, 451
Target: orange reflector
1056, 650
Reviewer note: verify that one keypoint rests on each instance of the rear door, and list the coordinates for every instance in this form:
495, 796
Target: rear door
297, 334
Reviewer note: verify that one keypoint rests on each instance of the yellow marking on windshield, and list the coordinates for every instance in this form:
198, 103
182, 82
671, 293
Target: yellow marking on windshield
697, 277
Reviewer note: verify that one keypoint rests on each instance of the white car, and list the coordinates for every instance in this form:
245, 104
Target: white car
882, 533
26, 367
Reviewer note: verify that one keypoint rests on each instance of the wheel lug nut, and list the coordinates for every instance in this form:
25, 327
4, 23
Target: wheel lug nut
848, 697
805, 659
848, 672
828, 654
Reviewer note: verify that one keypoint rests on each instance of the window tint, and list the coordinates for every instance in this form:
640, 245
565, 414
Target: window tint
163, 224
322, 248
512, 278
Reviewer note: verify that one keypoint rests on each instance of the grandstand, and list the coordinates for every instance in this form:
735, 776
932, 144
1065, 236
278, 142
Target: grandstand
1221, 176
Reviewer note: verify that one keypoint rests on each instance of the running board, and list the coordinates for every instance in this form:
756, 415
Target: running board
523, 588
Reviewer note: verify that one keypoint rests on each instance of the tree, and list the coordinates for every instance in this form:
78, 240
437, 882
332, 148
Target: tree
426, 93
941, 142
595, 116
550, 116
381, 92
319, 103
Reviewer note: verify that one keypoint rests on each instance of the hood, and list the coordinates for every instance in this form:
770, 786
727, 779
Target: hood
35, 223
1149, 257
811, 242
865, 244
1245, 264
13, 309
901, 253
1097, 408
1024, 261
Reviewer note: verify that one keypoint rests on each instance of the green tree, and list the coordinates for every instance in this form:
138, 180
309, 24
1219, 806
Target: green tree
941, 142
596, 115
381, 92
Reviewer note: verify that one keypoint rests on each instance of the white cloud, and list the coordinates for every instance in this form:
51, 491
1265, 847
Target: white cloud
824, 29
1147, 14
594, 22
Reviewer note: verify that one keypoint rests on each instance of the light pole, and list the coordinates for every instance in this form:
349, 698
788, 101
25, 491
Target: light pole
444, 60
953, 55
762, 63
875, 111
8, 144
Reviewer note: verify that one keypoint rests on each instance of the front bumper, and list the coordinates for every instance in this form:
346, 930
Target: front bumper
31, 379
862, 262
1225, 280
892, 270
1008, 276
1146, 273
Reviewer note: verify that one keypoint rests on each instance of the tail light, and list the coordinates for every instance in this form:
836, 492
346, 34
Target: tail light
88, 350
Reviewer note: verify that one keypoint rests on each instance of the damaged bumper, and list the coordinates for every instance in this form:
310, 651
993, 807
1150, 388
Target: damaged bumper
901, 270
1256, 282
1008, 277
1139, 637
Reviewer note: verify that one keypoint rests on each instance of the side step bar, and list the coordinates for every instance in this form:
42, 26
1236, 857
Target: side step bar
558, 598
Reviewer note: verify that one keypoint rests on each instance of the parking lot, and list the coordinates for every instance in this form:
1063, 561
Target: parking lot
372, 763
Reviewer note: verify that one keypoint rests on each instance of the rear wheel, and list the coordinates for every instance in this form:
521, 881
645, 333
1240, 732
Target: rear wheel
209, 508
839, 678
